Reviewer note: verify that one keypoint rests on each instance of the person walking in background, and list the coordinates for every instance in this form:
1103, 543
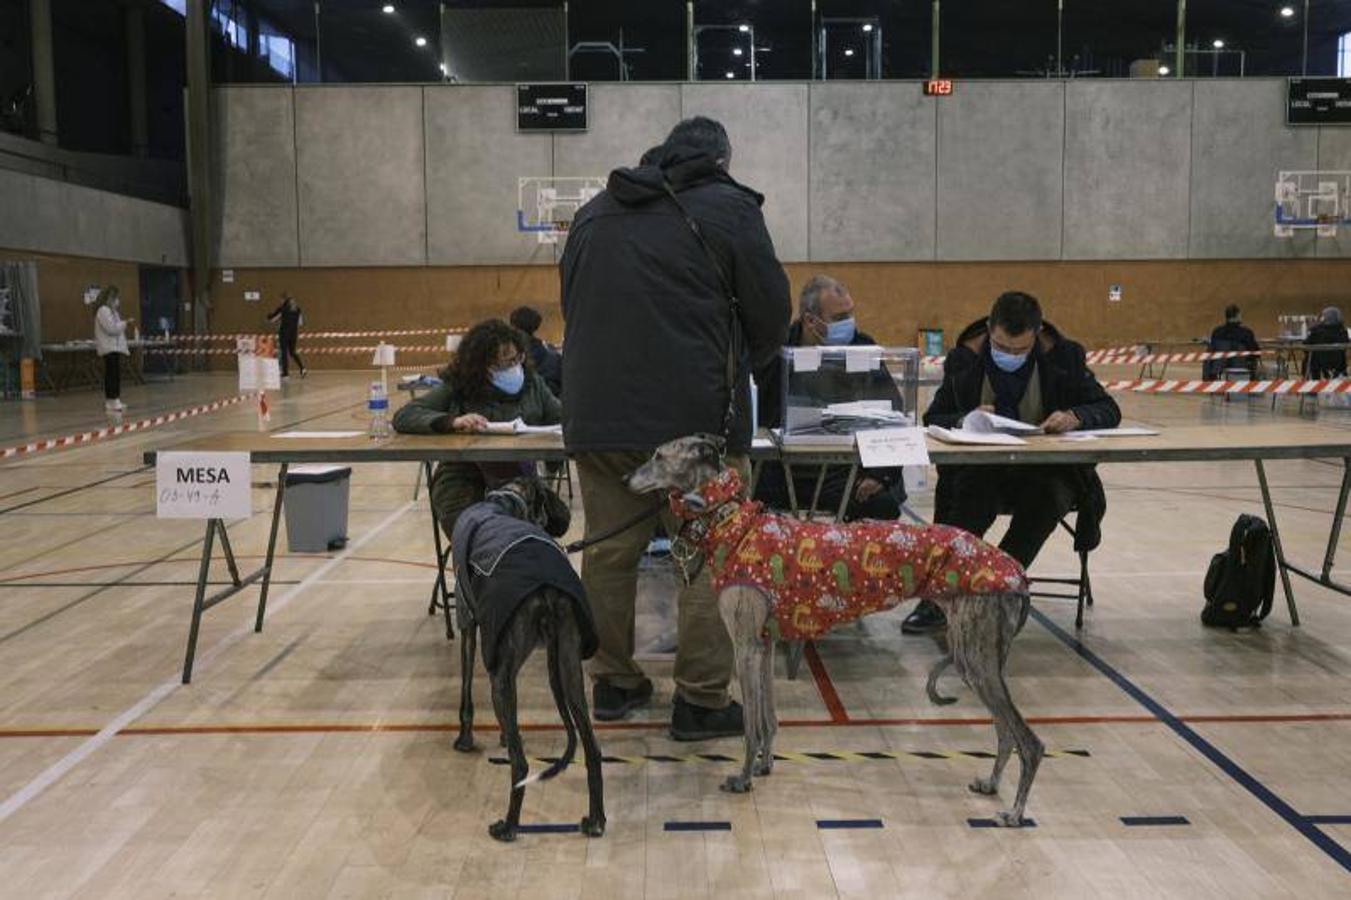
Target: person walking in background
288, 331
110, 342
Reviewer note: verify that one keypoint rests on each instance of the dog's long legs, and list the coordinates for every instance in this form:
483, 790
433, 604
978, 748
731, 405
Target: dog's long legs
744, 611
468, 643
504, 705
574, 692
769, 719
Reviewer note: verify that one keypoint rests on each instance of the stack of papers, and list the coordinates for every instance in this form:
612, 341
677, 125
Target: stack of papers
980, 427
518, 426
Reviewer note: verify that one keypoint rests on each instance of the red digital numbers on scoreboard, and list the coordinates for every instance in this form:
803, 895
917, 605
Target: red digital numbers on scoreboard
938, 87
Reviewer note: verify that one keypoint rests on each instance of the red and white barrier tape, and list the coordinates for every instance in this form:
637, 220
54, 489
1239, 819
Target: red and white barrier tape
1283, 386
1193, 356
307, 351
89, 437
406, 332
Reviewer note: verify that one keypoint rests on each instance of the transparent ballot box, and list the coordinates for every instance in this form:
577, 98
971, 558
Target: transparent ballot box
829, 393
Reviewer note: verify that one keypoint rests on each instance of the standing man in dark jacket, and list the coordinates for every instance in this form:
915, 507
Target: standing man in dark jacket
1329, 330
288, 317
825, 318
648, 331
1020, 367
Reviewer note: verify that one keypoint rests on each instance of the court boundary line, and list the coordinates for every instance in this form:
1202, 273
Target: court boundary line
1240, 776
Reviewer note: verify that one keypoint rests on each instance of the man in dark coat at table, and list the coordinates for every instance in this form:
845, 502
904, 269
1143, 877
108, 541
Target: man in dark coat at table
1017, 365
1329, 330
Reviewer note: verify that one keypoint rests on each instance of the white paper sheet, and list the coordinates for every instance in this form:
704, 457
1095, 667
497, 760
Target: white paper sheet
981, 422
806, 359
319, 435
862, 359
886, 447
1118, 432
958, 436
517, 426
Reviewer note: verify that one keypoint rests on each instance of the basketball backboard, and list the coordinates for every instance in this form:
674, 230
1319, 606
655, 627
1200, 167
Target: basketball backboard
545, 206
1312, 200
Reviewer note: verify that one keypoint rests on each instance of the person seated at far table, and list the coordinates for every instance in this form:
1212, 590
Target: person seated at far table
1232, 335
825, 318
1331, 329
1016, 365
489, 380
548, 360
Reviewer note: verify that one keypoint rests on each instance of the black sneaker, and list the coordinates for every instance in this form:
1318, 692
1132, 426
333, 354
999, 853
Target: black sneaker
926, 619
610, 702
699, 723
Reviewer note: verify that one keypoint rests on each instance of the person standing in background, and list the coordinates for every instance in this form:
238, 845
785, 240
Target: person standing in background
110, 342
548, 361
288, 331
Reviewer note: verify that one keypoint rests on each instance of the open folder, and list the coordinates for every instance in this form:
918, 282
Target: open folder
981, 427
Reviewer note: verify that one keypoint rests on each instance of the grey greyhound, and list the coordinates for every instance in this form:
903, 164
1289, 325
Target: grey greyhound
808, 577
516, 589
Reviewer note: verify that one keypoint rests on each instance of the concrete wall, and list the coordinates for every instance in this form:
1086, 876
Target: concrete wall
58, 217
1019, 170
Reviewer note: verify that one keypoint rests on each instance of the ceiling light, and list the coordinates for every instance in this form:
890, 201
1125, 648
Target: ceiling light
736, 51
1287, 12
1164, 70
849, 52
743, 28
420, 41
387, 8
868, 27
1217, 44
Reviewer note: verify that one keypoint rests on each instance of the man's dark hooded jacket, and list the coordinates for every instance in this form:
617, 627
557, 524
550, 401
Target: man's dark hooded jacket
1066, 384
647, 323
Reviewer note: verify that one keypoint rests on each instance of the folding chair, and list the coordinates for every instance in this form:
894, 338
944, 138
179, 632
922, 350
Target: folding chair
443, 594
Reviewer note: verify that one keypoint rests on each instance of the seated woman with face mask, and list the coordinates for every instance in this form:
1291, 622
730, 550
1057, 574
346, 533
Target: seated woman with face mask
489, 380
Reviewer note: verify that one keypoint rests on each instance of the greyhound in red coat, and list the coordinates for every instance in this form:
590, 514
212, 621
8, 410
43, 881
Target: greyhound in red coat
812, 576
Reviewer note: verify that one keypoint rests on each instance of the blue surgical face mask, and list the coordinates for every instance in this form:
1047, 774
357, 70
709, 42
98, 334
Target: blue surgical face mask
1008, 362
840, 332
509, 381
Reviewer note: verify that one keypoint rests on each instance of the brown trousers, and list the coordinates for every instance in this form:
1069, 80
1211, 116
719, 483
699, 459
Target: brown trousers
703, 665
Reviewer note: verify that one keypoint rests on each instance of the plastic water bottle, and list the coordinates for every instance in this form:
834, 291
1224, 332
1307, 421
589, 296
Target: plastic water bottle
377, 404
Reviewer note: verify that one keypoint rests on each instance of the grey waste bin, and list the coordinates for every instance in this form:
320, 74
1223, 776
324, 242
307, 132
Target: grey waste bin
316, 508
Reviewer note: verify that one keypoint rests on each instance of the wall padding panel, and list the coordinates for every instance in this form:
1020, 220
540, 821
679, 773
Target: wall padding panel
767, 124
1000, 170
1127, 166
474, 160
359, 161
872, 172
1239, 141
255, 177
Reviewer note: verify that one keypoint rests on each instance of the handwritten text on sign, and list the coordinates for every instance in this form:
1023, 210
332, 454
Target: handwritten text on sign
202, 486
883, 447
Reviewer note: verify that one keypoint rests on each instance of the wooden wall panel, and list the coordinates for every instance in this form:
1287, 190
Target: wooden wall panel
1162, 299
61, 284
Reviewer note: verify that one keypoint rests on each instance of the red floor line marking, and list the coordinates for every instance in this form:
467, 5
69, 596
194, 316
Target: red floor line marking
445, 727
829, 696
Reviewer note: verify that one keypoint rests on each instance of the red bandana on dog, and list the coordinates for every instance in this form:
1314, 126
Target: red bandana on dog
821, 574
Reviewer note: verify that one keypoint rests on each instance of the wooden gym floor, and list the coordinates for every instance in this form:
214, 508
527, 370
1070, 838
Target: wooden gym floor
314, 760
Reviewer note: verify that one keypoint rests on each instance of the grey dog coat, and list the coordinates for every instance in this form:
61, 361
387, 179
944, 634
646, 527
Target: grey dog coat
501, 560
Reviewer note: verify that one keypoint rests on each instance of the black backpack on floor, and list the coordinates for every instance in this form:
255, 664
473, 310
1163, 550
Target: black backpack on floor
1241, 581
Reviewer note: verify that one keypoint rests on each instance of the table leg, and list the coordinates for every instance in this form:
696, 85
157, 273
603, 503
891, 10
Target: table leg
816, 491
848, 492
756, 468
792, 490
229, 554
1281, 565
271, 545
1330, 557
199, 604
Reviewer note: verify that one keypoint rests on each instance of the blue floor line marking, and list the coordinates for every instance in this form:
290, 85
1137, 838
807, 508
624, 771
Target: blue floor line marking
698, 826
561, 828
1154, 820
990, 823
1328, 820
829, 824
1324, 842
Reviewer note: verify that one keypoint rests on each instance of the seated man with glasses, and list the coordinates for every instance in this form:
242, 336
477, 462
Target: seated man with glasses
489, 380
1017, 366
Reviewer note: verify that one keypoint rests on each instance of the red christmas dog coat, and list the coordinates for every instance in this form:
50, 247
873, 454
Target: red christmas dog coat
821, 574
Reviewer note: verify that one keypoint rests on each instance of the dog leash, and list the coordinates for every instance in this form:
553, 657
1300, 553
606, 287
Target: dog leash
577, 546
